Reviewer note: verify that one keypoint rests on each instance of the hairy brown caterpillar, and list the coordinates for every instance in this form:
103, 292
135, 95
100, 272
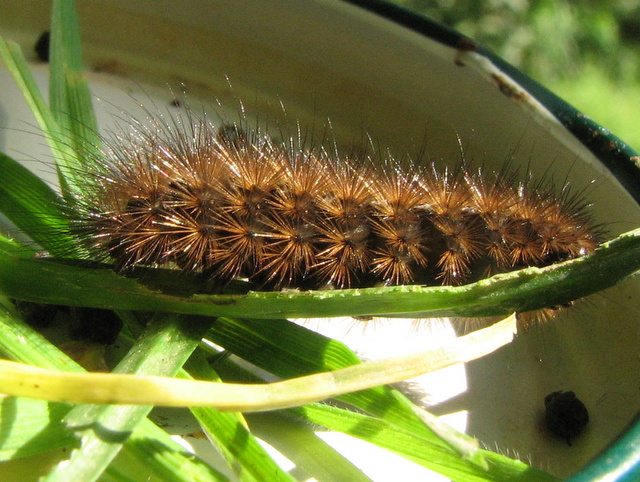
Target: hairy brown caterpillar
234, 203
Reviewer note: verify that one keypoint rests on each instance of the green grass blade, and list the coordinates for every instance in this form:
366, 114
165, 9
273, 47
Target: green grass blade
143, 389
295, 440
298, 442
33, 207
336, 354
162, 350
422, 451
31, 427
295, 351
47, 281
152, 447
21, 343
407, 440
382, 402
466, 446
69, 94
114, 475
247, 458
148, 443
69, 125
51, 130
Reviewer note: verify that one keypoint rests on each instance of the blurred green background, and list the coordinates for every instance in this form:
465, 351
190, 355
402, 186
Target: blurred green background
586, 51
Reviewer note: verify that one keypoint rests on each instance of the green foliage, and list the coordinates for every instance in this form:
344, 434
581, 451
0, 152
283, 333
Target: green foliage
547, 39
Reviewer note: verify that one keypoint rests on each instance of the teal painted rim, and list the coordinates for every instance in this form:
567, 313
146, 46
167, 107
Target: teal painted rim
621, 460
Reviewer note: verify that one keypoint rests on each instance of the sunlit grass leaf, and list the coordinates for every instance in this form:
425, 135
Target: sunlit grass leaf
151, 448
387, 403
15, 62
147, 389
69, 94
33, 207
148, 443
247, 458
51, 281
162, 350
405, 436
300, 444
420, 450
31, 427
21, 343
297, 352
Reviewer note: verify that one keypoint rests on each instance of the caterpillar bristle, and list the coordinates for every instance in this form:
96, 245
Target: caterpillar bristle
303, 174
403, 249
346, 255
291, 254
234, 203
242, 245
347, 197
398, 192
